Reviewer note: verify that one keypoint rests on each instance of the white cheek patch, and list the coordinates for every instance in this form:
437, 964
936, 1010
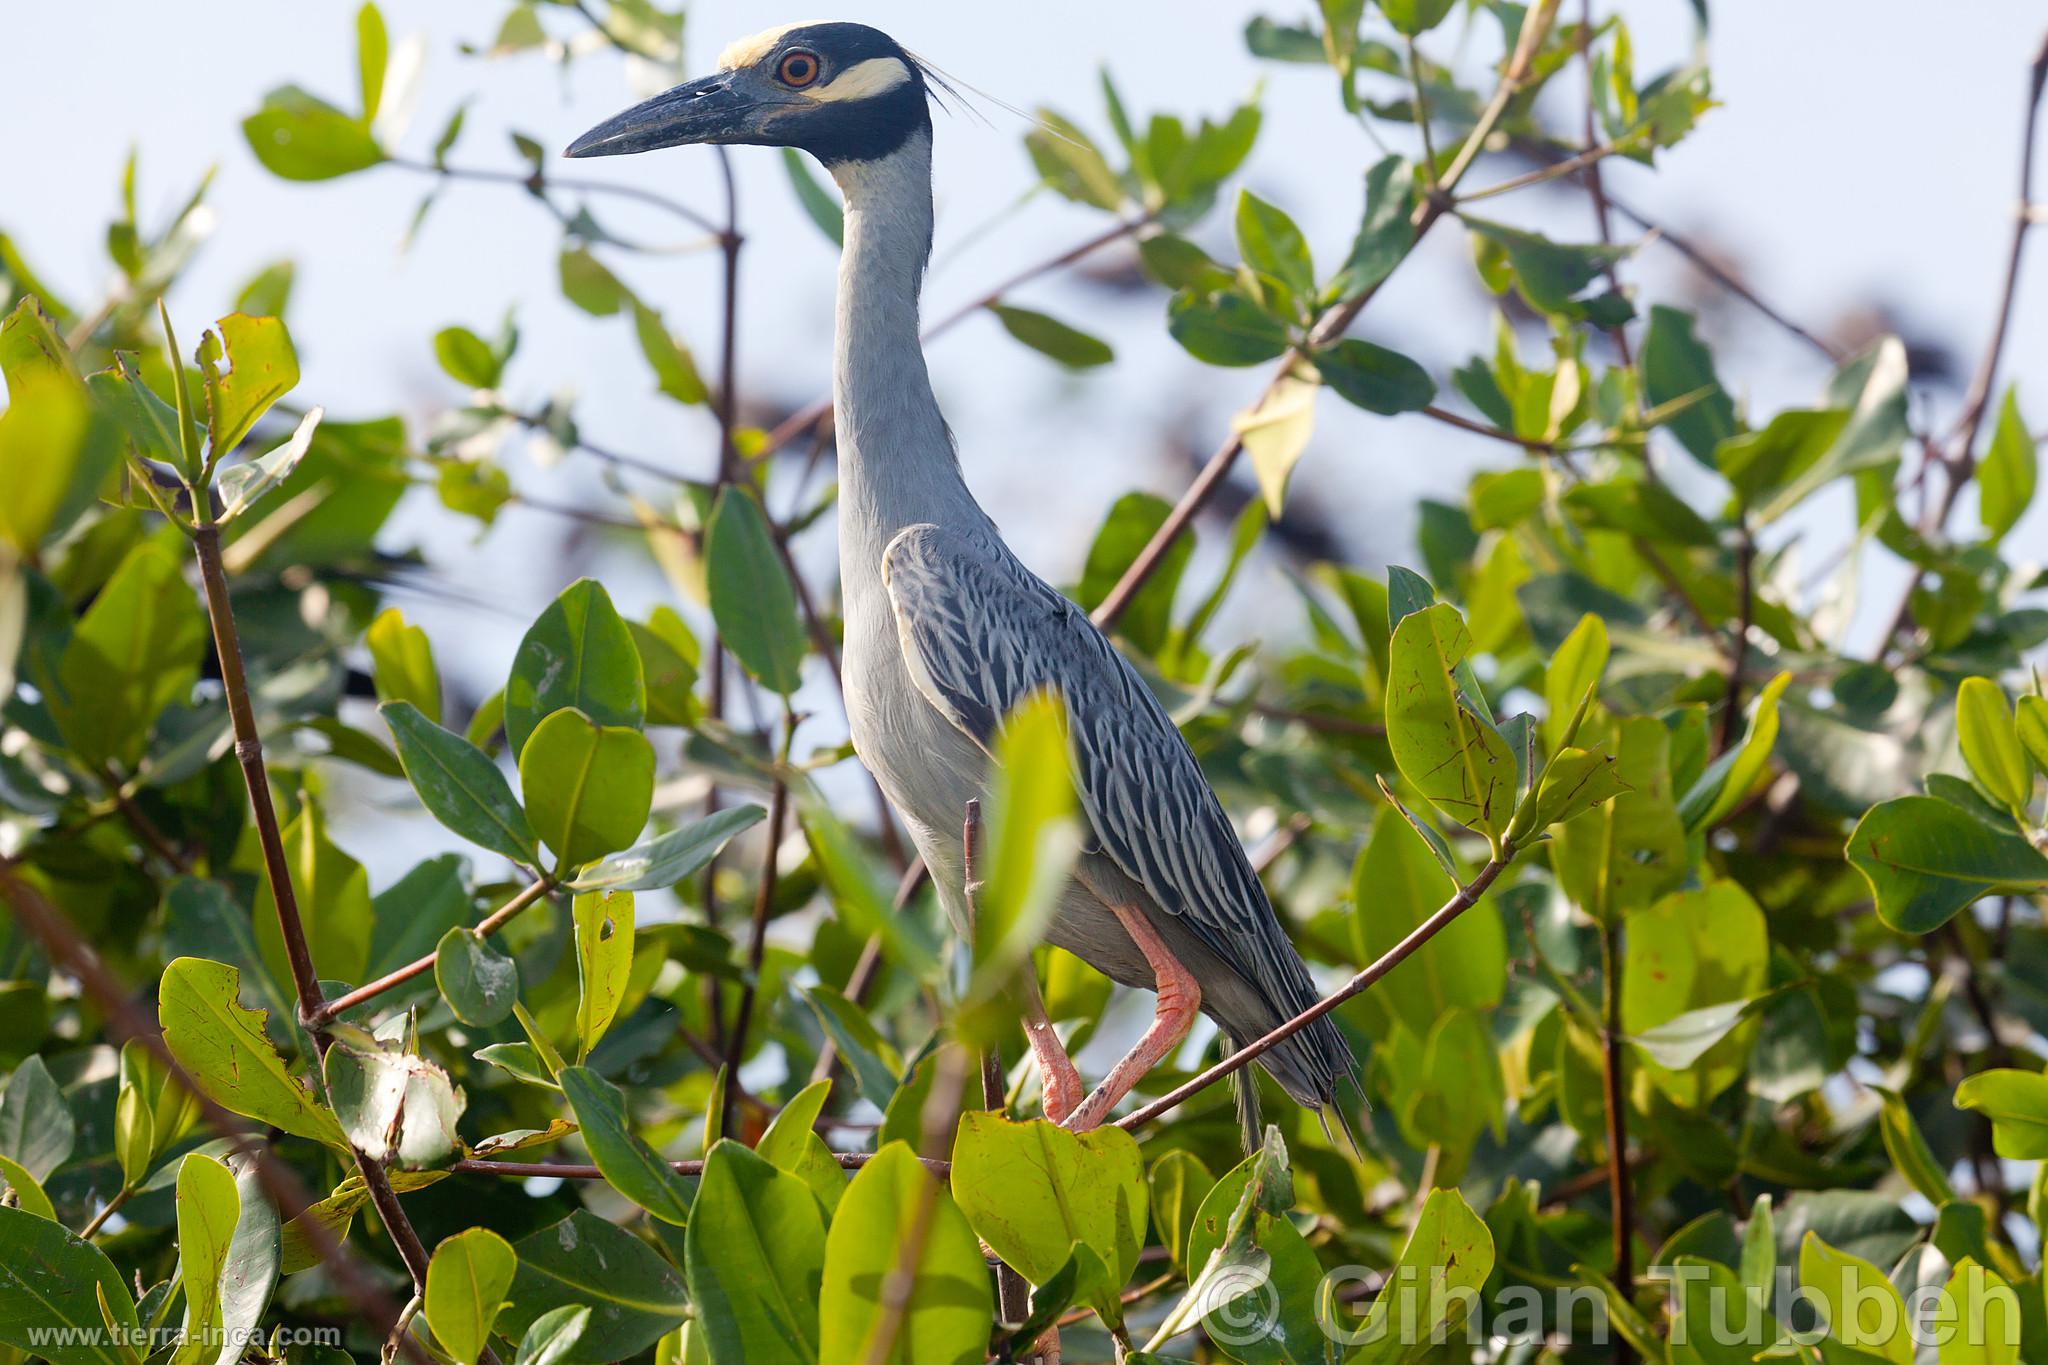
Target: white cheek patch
861, 81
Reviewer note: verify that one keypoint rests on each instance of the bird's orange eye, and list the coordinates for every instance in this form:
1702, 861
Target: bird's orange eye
798, 69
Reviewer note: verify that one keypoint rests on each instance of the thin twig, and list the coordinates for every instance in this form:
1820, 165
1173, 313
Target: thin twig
1960, 465
538, 182
277, 868
851, 1161
1620, 1189
1332, 324
764, 899
1738, 654
488, 925
116, 1002
1467, 896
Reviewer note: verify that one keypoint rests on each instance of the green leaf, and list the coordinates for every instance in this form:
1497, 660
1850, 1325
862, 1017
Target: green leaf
480, 983
751, 597
1223, 327
675, 369
55, 452
1415, 16
1925, 860
2008, 471
1714, 1317
634, 1296
1396, 885
588, 787
552, 1335
27, 1193
589, 285
1272, 245
892, 1204
208, 1208
578, 654
668, 660
1692, 949
632, 1167
1631, 850
151, 1112
755, 1251
1907, 1147
223, 1048
134, 652
666, 859
1035, 1190
299, 136
1034, 836
792, 1144
459, 785
467, 358
36, 1127
2016, 1102
1729, 780
1449, 1253
1233, 1241
1575, 781
242, 484
604, 962
1070, 164
1178, 1184
32, 344
875, 1065
467, 1280
1075, 349
247, 365
1676, 364
1977, 1319
1575, 669
1461, 1091
1133, 520
249, 1273
1551, 274
373, 55
1375, 378
2031, 718
1452, 756
1862, 1309
1989, 734
1766, 466
819, 203
1386, 232
51, 1279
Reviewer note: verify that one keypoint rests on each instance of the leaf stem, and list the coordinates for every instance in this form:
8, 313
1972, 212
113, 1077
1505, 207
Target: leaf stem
488, 925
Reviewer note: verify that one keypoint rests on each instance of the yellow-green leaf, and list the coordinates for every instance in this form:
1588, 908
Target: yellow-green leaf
467, 1281
223, 1048
604, 962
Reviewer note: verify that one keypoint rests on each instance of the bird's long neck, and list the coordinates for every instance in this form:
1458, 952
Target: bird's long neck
896, 461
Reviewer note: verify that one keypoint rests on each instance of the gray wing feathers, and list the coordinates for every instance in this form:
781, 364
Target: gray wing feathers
980, 632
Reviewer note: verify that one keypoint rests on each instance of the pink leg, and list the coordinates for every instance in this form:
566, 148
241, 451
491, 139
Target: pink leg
1058, 1081
1179, 997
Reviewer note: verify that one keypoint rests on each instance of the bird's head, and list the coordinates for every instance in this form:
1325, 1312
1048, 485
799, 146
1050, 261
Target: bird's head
843, 92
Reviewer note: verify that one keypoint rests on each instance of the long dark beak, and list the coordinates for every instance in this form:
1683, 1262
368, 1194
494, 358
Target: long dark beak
708, 109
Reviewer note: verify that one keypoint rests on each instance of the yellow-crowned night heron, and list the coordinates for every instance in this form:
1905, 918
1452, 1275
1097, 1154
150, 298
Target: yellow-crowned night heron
946, 631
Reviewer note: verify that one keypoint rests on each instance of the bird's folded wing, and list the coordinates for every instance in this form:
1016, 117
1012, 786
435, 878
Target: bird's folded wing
980, 633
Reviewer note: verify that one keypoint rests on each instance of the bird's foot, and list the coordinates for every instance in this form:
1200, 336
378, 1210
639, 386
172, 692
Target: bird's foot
1058, 1080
